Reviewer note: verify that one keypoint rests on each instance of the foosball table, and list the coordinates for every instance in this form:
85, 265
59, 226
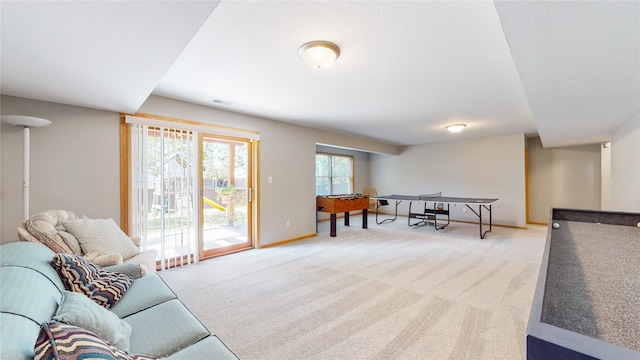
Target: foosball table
334, 204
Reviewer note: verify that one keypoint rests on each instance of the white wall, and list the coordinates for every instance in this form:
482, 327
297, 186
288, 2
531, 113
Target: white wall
75, 163
491, 167
75, 166
563, 177
625, 166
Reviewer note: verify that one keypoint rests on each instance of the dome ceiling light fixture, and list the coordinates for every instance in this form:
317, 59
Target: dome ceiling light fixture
319, 54
456, 128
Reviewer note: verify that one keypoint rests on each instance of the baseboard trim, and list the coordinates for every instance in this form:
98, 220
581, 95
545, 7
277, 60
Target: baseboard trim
286, 241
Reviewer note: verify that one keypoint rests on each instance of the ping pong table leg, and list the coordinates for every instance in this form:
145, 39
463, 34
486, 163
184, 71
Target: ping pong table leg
435, 216
388, 219
423, 217
409, 214
490, 219
480, 216
482, 234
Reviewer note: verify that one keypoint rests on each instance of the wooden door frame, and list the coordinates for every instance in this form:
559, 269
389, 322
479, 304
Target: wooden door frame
251, 178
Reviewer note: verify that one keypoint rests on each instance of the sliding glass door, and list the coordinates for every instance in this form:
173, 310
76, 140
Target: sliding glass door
190, 193
225, 195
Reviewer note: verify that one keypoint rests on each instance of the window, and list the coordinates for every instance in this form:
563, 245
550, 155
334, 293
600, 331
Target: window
334, 174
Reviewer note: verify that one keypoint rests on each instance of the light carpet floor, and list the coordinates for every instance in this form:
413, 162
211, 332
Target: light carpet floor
387, 292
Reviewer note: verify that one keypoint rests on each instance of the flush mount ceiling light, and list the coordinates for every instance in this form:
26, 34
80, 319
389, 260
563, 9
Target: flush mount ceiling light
456, 128
319, 54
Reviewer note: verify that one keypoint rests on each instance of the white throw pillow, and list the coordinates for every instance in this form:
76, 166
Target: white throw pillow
71, 241
101, 235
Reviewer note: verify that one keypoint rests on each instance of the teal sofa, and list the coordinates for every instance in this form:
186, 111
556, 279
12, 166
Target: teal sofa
31, 291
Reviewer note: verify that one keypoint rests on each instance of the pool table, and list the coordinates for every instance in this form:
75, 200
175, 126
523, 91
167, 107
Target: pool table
587, 299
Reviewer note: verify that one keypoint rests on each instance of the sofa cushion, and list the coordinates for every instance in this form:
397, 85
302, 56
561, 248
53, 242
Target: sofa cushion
104, 287
62, 341
164, 329
208, 348
17, 336
71, 241
101, 235
145, 292
78, 310
25, 292
35, 256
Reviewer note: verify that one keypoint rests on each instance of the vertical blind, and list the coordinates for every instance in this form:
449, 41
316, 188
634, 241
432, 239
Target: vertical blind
163, 192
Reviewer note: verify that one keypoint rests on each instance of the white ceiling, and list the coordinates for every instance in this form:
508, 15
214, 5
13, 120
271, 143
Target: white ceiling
569, 71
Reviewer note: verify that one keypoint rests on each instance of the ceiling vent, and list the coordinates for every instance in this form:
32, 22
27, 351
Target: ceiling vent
221, 102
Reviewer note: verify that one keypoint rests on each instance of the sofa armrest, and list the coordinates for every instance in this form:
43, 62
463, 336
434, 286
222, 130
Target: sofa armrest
132, 269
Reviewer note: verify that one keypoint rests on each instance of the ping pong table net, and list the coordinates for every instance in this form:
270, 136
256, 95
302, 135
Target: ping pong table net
426, 196
440, 206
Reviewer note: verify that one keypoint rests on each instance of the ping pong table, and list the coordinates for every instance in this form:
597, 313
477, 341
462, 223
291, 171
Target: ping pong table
430, 215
